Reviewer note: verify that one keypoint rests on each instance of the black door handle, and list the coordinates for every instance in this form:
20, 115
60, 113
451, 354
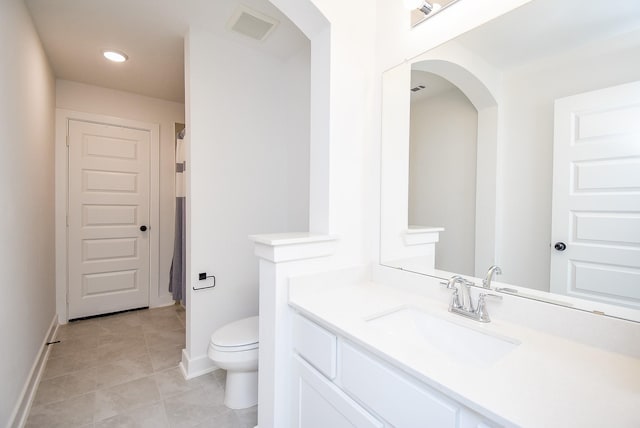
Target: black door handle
143, 228
560, 246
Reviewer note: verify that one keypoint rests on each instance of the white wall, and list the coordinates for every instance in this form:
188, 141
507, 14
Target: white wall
442, 175
527, 110
108, 102
27, 307
247, 173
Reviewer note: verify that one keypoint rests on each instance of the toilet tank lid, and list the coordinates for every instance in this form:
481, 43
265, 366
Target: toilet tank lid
237, 333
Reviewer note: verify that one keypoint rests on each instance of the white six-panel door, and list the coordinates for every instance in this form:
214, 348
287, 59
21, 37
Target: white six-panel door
596, 196
108, 253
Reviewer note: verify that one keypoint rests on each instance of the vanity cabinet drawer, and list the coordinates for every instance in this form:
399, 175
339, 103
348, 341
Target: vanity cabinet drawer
321, 404
315, 344
391, 396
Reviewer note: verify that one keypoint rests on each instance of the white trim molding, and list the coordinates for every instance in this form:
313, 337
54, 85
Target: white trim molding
21, 411
194, 367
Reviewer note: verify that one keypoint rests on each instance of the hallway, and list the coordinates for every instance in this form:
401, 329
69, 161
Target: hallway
122, 371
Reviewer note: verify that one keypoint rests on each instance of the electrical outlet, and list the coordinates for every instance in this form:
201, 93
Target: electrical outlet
202, 276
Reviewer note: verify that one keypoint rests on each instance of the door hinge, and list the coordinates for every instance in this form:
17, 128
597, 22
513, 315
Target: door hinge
67, 220
67, 141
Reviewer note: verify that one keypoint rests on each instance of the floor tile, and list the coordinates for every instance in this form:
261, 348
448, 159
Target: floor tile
121, 332
70, 413
194, 407
49, 391
123, 370
219, 376
64, 365
171, 382
157, 313
225, 420
127, 396
78, 329
165, 357
151, 416
248, 418
73, 346
163, 324
162, 338
66, 386
122, 323
119, 349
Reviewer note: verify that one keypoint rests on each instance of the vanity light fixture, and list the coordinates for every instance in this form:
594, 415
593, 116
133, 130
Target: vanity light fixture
115, 56
423, 6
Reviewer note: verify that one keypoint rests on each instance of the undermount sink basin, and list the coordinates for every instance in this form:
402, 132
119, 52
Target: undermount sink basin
460, 343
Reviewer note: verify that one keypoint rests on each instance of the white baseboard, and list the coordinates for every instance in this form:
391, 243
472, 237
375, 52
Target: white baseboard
21, 411
161, 302
194, 367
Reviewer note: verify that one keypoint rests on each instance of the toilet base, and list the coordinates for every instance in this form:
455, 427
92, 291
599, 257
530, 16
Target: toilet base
241, 390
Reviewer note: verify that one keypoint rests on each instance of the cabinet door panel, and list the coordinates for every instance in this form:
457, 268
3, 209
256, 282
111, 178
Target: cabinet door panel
316, 345
391, 396
322, 405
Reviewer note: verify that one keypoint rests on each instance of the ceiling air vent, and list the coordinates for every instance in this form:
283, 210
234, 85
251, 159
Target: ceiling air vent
251, 23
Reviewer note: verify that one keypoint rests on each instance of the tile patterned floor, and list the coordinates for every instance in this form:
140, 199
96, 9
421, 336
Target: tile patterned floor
122, 371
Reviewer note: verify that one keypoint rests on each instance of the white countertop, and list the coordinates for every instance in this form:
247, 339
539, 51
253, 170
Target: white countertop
547, 381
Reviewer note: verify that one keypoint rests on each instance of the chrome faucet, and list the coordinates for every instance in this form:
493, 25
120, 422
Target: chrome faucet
462, 303
486, 282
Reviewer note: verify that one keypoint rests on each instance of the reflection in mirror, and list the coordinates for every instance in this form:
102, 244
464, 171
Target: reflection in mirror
561, 164
442, 168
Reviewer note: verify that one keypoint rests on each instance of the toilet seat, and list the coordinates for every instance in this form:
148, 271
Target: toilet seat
233, 348
241, 335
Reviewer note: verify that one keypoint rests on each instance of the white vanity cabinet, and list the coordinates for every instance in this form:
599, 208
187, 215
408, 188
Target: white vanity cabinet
338, 384
318, 402
321, 404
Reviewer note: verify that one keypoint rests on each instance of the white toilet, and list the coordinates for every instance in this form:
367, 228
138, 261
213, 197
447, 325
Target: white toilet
234, 347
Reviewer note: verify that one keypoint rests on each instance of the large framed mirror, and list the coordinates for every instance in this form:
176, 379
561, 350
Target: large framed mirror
518, 144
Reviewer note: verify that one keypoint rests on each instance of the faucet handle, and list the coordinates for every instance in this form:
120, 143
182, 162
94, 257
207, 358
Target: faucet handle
481, 310
455, 300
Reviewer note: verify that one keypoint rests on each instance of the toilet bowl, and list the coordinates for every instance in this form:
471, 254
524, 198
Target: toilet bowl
234, 347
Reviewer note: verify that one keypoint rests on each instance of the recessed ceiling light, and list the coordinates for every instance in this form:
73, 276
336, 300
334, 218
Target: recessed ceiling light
115, 56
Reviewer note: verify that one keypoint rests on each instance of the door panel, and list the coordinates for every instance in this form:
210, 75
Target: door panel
596, 195
109, 249
109, 181
108, 202
110, 215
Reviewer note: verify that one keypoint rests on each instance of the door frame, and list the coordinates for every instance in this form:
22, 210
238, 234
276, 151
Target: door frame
63, 117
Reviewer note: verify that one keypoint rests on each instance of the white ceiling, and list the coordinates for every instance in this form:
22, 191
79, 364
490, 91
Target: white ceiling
544, 28
151, 32
433, 85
